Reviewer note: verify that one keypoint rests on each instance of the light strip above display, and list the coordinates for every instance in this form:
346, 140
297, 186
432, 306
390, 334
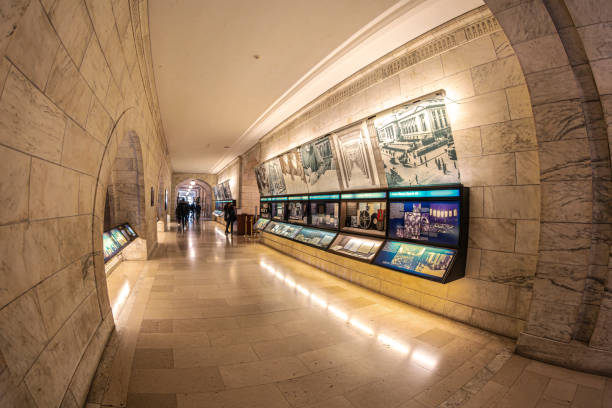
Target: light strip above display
424, 193
298, 198
325, 197
363, 196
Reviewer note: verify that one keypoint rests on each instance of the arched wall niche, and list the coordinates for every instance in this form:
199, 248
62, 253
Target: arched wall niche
568, 71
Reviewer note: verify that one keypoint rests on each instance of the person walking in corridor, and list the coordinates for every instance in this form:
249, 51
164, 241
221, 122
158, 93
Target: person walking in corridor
230, 217
182, 212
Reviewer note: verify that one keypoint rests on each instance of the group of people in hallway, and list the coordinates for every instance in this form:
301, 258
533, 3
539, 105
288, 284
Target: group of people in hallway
185, 211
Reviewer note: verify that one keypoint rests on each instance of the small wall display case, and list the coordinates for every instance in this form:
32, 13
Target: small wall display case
356, 246
220, 207
315, 237
297, 209
115, 239
364, 213
325, 210
261, 223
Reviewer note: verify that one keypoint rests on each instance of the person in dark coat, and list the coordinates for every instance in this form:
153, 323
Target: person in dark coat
230, 217
182, 212
198, 210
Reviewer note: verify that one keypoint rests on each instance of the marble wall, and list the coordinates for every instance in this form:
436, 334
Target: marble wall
232, 173
487, 99
74, 82
564, 50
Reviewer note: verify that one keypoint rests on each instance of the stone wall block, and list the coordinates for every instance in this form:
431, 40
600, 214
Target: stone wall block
59, 295
527, 237
534, 60
526, 21
81, 151
94, 68
553, 85
527, 167
560, 121
99, 122
501, 44
468, 142
479, 110
478, 293
472, 267
457, 87
468, 55
597, 40
33, 45
508, 268
476, 201
29, 122
15, 170
71, 21
602, 197
511, 136
86, 194
601, 69
520, 202
68, 89
558, 283
74, 237
424, 72
493, 234
501, 324
519, 300
519, 102
498, 74
565, 160
496, 169
570, 201
553, 321
22, 334
54, 191
42, 246
566, 243
602, 338
585, 12
586, 82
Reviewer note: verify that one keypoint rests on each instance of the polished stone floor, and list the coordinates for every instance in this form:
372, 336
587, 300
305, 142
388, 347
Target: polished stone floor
215, 321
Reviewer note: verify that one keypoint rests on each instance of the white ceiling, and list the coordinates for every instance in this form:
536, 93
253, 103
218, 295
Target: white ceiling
213, 92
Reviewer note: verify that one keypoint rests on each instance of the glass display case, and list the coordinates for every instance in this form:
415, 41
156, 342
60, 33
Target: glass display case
429, 262
359, 247
277, 211
282, 229
364, 213
435, 222
261, 223
297, 210
115, 239
325, 211
315, 237
264, 209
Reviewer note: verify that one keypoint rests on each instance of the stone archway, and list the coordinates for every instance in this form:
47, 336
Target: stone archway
206, 195
558, 44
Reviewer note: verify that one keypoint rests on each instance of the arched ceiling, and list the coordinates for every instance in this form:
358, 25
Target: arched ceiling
217, 99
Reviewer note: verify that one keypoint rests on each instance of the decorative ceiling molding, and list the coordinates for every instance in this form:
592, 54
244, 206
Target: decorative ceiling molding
392, 30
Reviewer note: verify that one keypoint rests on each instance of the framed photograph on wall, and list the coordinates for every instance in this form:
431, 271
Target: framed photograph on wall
356, 159
293, 172
320, 165
275, 177
263, 181
416, 144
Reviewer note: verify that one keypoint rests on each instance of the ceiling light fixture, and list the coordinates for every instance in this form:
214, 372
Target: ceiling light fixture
226, 147
256, 56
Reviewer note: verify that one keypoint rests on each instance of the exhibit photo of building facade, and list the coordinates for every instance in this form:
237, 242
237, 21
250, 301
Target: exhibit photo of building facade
350, 204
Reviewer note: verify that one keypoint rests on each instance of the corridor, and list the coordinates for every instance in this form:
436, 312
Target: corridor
218, 321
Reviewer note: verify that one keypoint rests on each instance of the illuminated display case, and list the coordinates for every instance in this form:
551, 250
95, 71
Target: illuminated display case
282, 229
277, 208
115, 239
264, 209
360, 247
261, 223
297, 209
364, 213
325, 210
429, 262
315, 237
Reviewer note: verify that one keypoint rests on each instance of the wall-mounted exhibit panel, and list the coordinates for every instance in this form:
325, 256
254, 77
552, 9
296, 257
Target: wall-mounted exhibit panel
429, 262
416, 230
315, 237
261, 224
222, 191
220, 207
115, 239
359, 247
282, 229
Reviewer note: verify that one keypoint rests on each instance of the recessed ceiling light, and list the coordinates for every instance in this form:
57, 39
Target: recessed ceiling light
226, 147
257, 56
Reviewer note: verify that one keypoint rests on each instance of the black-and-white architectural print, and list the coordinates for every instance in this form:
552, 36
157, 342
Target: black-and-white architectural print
263, 181
293, 172
355, 158
275, 176
319, 165
416, 144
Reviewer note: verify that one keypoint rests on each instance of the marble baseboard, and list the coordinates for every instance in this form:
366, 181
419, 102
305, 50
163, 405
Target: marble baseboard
573, 355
